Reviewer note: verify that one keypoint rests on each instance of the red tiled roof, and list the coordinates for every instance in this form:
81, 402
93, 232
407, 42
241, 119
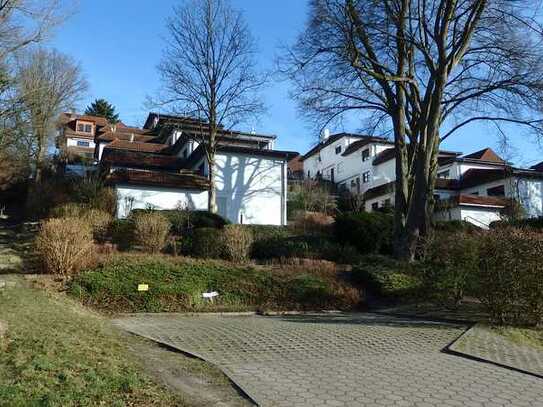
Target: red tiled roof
466, 199
141, 160
486, 154
136, 146
66, 118
185, 180
110, 136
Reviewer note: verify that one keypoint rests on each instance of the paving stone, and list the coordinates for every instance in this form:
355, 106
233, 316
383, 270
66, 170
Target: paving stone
341, 360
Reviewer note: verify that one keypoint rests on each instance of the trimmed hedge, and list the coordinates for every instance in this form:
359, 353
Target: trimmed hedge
369, 232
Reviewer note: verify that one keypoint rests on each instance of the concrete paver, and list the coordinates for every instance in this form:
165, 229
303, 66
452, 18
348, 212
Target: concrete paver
341, 360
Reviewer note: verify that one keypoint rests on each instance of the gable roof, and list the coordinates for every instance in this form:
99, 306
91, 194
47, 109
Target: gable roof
357, 145
68, 117
486, 154
332, 139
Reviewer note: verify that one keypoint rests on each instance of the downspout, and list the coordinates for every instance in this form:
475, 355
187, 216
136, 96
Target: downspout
284, 192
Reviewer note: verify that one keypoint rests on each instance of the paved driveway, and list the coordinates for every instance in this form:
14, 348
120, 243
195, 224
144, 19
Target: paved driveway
341, 360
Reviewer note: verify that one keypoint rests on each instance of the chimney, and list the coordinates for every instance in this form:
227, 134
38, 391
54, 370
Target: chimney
325, 134
131, 137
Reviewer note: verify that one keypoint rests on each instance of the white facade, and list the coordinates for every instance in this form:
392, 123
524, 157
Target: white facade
250, 190
478, 215
353, 171
79, 142
142, 197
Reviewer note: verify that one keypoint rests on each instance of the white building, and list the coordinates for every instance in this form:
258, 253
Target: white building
475, 187
164, 167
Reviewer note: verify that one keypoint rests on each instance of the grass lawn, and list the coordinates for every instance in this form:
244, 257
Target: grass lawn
55, 353
522, 336
177, 284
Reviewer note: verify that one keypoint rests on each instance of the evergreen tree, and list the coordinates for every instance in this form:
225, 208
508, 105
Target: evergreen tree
102, 108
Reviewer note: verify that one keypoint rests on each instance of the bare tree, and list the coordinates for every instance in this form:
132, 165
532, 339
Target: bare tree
420, 70
209, 72
48, 83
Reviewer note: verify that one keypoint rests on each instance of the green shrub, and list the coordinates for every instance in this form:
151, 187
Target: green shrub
387, 277
150, 231
307, 247
122, 232
177, 284
237, 241
510, 277
65, 245
368, 232
207, 243
449, 266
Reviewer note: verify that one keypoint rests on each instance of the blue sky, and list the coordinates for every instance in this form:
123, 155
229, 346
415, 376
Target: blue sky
119, 43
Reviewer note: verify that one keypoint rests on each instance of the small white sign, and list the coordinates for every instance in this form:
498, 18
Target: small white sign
143, 287
210, 295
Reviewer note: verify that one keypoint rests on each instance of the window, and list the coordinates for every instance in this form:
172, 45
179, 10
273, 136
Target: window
444, 174
366, 154
357, 185
375, 206
308, 174
353, 184
496, 191
366, 177
84, 128
338, 149
387, 202
83, 143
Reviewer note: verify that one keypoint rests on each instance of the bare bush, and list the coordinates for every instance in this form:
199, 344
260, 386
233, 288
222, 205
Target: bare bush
100, 222
65, 245
237, 241
150, 231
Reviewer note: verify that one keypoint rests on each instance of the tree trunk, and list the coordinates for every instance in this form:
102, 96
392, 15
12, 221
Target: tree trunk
212, 193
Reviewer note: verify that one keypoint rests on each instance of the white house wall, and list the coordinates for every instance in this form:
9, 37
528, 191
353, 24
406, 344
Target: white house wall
479, 216
142, 197
251, 189
72, 142
530, 194
328, 159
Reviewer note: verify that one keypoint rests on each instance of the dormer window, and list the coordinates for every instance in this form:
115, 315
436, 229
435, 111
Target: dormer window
366, 154
84, 127
338, 149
